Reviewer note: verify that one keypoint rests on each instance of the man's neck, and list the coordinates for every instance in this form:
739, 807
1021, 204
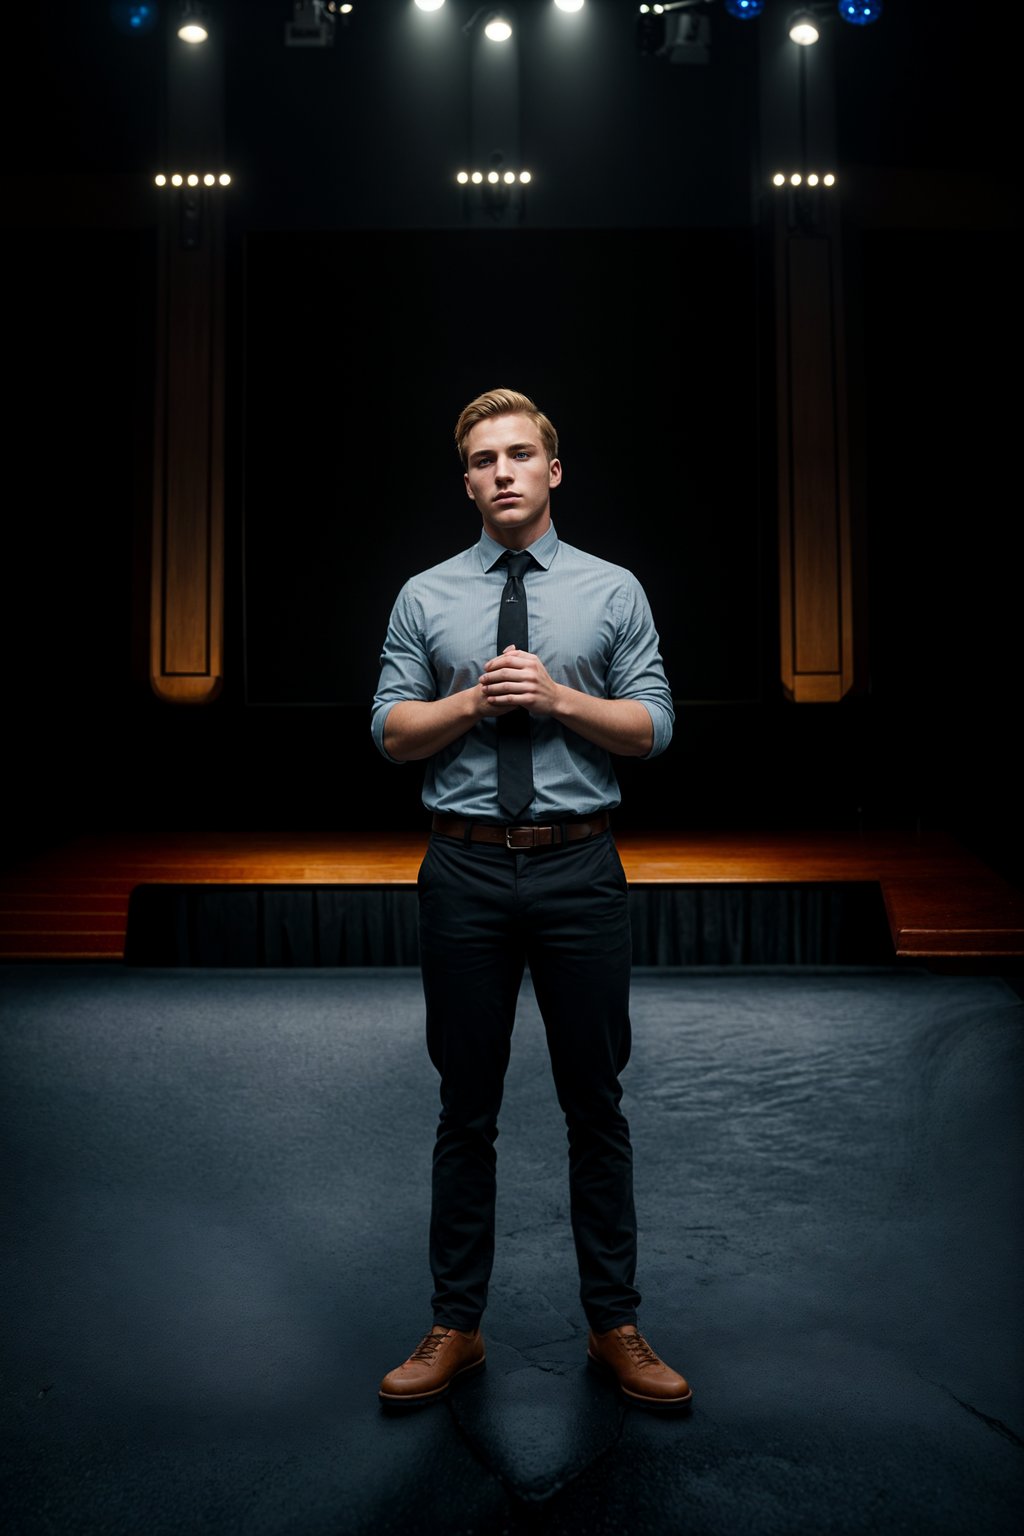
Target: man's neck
518, 538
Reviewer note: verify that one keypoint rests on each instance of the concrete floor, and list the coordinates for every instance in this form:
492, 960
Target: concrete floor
216, 1247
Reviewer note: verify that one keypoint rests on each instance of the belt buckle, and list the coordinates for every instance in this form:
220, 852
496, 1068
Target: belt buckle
529, 832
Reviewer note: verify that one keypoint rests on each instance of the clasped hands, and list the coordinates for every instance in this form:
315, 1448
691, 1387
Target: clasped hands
518, 680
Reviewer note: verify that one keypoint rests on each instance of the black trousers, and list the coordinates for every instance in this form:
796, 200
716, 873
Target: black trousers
486, 912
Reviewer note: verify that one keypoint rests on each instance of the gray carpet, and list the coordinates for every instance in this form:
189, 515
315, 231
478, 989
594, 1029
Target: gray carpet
215, 1245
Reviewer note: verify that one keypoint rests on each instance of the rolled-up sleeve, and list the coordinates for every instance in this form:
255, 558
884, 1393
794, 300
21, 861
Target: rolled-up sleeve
405, 671
636, 670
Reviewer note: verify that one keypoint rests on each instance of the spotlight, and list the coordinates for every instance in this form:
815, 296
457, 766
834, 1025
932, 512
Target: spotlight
497, 29
650, 31
312, 24
687, 37
743, 10
134, 18
192, 179
192, 26
860, 13
678, 31
797, 179
430, 5
803, 29
493, 177
569, 5
800, 178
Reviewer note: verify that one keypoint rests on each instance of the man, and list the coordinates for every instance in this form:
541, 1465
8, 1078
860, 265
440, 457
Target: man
513, 670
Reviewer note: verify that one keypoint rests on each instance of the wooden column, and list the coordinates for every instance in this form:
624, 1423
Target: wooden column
816, 578
187, 614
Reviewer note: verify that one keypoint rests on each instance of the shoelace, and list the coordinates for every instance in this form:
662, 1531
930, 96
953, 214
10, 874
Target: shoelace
427, 1348
639, 1348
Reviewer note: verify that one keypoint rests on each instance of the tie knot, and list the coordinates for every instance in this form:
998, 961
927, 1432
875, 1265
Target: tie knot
518, 563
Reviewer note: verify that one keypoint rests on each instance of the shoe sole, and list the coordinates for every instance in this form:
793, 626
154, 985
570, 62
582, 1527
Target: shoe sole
660, 1404
413, 1400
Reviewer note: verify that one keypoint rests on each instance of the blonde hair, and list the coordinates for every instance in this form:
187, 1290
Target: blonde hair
504, 402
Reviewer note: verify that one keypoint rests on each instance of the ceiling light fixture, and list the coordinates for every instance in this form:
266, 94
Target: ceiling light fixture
312, 23
860, 13
803, 29
192, 26
191, 179
798, 179
492, 177
134, 17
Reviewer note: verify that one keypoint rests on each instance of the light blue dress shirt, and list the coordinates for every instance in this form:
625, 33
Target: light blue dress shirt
590, 624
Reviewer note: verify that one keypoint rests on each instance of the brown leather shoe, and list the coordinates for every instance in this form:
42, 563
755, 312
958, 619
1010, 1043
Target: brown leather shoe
438, 1358
642, 1377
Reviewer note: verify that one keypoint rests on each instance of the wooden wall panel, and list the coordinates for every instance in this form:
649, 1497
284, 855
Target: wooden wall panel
815, 543
187, 619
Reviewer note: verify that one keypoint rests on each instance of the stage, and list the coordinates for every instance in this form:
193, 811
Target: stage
220, 1189
941, 904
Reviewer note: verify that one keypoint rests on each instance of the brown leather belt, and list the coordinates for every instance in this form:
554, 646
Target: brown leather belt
518, 839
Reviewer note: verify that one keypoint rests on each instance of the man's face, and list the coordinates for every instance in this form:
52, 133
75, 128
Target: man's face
510, 479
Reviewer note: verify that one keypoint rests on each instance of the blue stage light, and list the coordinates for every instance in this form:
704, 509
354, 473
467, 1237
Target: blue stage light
134, 17
860, 13
743, 10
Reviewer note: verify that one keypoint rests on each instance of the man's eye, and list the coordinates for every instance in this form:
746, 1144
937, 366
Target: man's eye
522, 453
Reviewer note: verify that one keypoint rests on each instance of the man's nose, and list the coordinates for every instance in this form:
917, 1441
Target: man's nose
505, 470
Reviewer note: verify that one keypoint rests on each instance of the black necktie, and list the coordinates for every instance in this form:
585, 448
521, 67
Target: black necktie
515, 753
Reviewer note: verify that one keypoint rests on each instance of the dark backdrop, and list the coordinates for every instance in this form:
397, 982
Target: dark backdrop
353, 482
648, 159
932, 741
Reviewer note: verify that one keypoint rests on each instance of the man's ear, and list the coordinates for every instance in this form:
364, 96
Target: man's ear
555, 472
469, 493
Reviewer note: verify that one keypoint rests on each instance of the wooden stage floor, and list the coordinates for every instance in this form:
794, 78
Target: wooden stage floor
942, 903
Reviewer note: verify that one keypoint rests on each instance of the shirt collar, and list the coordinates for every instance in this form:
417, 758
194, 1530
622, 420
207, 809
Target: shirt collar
542, 549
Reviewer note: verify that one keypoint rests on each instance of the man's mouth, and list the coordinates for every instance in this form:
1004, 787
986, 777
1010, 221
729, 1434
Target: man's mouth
508, 496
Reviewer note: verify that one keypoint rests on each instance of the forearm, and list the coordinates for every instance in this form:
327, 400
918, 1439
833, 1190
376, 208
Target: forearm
417, 728
622, 726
